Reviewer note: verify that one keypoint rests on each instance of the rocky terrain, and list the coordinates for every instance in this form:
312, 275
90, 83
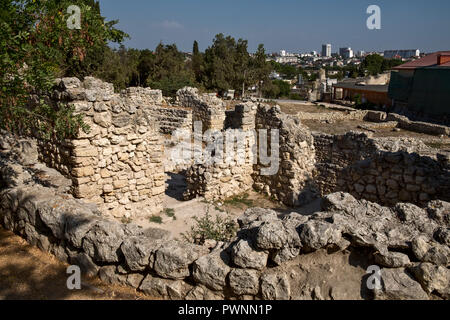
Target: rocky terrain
273, 256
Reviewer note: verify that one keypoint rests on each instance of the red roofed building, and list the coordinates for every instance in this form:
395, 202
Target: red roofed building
423, 86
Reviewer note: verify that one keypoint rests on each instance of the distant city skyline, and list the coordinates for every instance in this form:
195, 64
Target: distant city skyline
291, 25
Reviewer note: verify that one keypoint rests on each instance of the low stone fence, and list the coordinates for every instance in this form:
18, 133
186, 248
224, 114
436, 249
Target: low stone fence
418, 126
382, 171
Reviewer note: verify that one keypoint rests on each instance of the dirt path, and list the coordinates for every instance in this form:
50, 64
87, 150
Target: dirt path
28, 273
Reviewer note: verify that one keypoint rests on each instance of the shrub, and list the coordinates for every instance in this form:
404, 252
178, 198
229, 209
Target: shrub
209, 228
155, 219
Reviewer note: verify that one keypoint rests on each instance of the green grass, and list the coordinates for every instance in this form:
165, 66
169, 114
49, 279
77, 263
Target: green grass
170, 213
238, 201
155, 219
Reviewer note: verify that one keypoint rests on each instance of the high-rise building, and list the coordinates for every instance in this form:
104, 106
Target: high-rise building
404, 54
361, 53
326, 50
346, 53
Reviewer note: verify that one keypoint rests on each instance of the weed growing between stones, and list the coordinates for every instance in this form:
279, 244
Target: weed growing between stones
170, 213
238, 201
211, 228
155, 219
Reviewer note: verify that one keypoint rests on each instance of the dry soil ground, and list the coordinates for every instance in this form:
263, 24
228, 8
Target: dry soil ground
29, 273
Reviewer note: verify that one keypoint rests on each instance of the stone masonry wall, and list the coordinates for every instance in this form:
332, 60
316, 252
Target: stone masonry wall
379, 170
217, 181
118, 163
171, 118
292, 184
206, 108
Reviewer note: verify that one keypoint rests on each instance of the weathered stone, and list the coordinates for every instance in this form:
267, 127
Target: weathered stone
244, 256
87, 266
275, 286
109, 275
138, 250
172, 260
134, 280
244, 281
165, 288
427, 250
211, 270
319, 234
103, 241
391, 259
433, 278
202, 293
399, 285
276, 235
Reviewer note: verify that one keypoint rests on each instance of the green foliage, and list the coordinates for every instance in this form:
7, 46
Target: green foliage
228, 65
170, 72
209, 228
239, 200
295, 96
170, 213
357, 99
36, 47
287, 71
279, 88
155, 219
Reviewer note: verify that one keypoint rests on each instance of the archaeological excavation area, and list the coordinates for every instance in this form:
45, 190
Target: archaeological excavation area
319, 194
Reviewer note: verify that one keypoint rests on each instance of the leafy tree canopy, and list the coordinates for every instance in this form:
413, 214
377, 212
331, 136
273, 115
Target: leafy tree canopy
37, 46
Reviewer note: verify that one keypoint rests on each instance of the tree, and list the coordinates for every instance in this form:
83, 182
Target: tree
197, 63
36, 47
260, 67
170, 71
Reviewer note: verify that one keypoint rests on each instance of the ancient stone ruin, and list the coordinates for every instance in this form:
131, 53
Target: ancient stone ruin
383, 201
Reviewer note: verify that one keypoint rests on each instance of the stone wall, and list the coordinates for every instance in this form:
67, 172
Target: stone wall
292, 184
206, 108
232, 176
170, 119
380, 170
118, 163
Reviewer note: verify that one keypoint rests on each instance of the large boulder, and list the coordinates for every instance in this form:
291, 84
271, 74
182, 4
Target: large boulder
245, 256
428, 250
244, 281
275, 286
433, 278
173, 258
397, 284
102, 242
212, 270
164, 288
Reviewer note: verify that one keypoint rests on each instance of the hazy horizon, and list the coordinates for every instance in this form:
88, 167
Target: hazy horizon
292, 25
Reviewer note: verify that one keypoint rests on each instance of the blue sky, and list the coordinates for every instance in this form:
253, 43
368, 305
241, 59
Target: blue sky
293, 25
